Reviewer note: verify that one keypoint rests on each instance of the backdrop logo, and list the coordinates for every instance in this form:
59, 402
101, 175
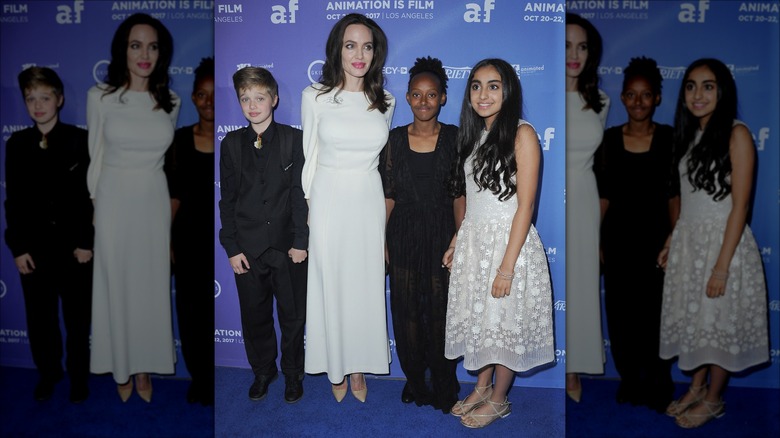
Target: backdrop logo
70, 15
549, 134
560, 305
479, 14
693, 12
282, 15
100, 70
315, 69
763, 136
3, 289
217, 289
673, 73
229, 9
457, 72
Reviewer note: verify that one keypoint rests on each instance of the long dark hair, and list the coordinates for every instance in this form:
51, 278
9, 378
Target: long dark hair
118, 74
588, 81
494, 161
333, 72
709, 159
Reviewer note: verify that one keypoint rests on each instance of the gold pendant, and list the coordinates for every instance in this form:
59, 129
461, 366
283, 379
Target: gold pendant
259, 143
43, 143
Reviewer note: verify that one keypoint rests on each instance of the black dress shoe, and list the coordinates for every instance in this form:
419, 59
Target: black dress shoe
406, 395
79, 392
293, 388
259, 388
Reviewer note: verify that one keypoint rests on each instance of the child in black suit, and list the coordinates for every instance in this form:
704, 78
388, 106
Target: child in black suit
50, 233
265, 232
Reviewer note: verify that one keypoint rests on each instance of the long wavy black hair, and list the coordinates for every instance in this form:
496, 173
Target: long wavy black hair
118, 74
709, 164
588, 81
333, 72
494, 161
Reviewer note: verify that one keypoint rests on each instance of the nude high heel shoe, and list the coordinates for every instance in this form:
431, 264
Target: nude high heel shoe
340, 390
125, 391
145, 394
360, 394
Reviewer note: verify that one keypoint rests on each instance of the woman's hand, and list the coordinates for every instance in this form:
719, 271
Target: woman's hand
239, 263
501, 287
446, 261
716, 285
297, 255
663, 257
24, 263
82, 255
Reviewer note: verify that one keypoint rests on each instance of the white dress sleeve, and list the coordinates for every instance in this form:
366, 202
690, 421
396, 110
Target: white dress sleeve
95, 139
604, 109
309, 123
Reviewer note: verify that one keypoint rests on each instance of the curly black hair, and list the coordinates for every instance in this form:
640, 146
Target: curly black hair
645, 68
432, 66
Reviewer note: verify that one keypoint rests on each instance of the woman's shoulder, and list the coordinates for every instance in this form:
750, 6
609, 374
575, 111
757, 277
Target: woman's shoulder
522, 122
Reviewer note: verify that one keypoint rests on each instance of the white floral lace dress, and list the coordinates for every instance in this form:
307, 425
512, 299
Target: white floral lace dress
730, 331
514, 331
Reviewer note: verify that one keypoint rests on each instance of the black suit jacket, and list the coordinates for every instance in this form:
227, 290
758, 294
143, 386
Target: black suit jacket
47, 201
269, 213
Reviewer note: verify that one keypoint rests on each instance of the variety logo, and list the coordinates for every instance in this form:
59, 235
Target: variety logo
479, 14
70, 15
693, 12
217, 289
560, 305
282, 15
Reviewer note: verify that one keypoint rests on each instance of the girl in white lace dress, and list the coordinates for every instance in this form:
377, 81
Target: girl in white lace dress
714, 315
499, 311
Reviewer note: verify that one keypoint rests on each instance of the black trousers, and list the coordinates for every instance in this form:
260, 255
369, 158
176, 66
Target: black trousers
632, 299
273, 275
58, 276
194, 277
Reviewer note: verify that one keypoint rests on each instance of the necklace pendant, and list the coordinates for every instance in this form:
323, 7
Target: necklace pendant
43, 144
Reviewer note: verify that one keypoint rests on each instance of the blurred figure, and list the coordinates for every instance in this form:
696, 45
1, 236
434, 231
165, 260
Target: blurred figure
190, 172
639, 207
131, 120
586, 114
50, 233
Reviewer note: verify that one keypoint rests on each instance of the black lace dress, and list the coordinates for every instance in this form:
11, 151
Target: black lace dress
419, 231
636, 224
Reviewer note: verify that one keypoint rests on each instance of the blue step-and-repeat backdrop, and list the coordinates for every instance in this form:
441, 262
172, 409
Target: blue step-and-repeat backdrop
288, 38
74, 38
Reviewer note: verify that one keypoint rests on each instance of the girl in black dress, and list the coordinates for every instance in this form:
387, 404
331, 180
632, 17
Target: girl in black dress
639, 206
422, 218
190, 169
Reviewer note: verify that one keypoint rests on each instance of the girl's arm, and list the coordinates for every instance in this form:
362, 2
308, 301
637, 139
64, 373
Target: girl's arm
527, 156
459, 210
743, 159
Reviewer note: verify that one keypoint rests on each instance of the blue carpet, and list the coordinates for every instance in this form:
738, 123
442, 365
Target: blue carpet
103, 414
536, 412
750, 413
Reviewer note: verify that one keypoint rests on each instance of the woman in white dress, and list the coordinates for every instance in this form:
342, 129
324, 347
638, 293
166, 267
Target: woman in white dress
586, 115
714, 312
131, 120
499, 309
346, 120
